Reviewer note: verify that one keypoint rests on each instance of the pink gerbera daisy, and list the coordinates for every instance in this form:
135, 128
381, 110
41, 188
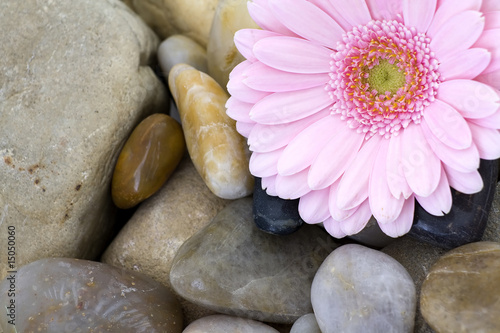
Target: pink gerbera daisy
361, 107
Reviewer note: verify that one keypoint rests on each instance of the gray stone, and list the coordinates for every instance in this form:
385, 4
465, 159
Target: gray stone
372, 235
179, 49
306, 324
74, 82
234, 268
492, 231
223, 323
72, 295
358, 289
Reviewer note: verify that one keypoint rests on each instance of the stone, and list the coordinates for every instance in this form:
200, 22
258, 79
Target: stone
75, 81
179, 49
150, 239
148, 158
230, 16
466, 221
72, 295
460, 293
372, 235
192, 18
223, 323
234, 268
492, 231
275, 215
417, 258
358, 289
306, 324
219, 152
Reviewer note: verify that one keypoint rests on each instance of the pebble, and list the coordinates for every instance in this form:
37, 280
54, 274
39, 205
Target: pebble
466, 221
306, 324
66, 295
274, 215
230, 16
223, 323
179, 49
234, 268
358, 289
148, 158
461, 292
492, 231
218, 152
372, 235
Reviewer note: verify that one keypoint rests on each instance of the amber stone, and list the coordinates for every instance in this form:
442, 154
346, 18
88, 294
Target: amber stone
148, 158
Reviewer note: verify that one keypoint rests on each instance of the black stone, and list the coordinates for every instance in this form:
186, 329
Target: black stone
273, 214
466, 221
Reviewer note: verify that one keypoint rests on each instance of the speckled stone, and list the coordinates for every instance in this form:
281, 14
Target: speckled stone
306, 324
417, 258
234, 268
218, 152
223, 323
66, 295
492, 231
461, 292
148, 158
180, 49
358, 289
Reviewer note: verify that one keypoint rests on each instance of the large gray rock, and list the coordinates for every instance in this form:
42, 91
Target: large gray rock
74, 81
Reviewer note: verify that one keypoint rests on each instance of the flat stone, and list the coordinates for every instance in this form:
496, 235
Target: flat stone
234, 268
150, 239
417, 258
358, 289
492, 231
223, 323
150, 155
75, 82
180, 49
66, 295
192, 18
460, 293
466, 221
306, 324
222, 55
218, 152
275, 215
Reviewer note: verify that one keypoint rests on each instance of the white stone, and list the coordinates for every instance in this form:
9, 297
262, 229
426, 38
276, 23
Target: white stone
179, 49
223, 323
306, 324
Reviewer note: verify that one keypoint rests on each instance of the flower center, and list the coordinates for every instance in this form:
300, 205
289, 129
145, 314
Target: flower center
383, 75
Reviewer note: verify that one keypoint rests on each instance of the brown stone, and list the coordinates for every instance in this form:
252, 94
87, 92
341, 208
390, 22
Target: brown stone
461, 292
148, 158
219, 152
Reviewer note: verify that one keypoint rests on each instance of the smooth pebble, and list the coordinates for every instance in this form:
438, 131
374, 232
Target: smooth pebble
229, 324
180, 49
306, 324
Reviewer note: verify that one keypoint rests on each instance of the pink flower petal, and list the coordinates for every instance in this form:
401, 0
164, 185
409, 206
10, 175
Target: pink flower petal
468, 183
297, 15
487, 141
264, 138
304, 148
353, 186
264, 164
328, 8
466, 64
238, 110
293, 55
490, 5
333, 159
285, 107
244, 128
448, 125
457, 34
492, 20
403, 223
313, 206
449, 8
385, 9
440, 201
492, 121
333, 228
264, 78
293, 186
422, 168
245, 39
355, 12
357, 221
263, 16
492, 79
396, 179
489, 41
419, 14
241, 91
337, 213
384, 206
471, 98
269, 184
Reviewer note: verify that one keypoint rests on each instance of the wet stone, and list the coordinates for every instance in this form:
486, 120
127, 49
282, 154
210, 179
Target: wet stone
273, 214
460, 293
234, 268
148, 158
65, 295
223, 323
